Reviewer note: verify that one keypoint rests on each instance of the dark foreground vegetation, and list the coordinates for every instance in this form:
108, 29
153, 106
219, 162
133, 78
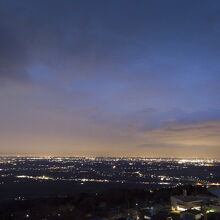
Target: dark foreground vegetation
109, 204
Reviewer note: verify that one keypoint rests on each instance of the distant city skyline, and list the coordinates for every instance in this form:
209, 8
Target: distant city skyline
110, 78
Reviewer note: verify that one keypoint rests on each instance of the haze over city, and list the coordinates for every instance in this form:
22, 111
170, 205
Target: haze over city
110, 78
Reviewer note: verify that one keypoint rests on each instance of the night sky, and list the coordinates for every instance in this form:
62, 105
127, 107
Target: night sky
110, 78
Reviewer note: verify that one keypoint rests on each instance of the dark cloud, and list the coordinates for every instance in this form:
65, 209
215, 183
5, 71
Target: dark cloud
83, 37
178, 117
12, 56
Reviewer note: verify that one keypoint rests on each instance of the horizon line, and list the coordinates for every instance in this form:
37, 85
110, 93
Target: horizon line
87, 156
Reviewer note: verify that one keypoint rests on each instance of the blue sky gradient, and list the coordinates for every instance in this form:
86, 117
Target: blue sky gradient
128, 78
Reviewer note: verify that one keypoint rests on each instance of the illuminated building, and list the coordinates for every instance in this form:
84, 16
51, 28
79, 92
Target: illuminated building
183, 203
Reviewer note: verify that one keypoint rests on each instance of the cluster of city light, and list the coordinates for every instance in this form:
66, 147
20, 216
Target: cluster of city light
91, 180
35, 177
159, 171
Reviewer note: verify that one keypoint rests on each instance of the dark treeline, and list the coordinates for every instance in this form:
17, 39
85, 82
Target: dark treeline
84, 205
